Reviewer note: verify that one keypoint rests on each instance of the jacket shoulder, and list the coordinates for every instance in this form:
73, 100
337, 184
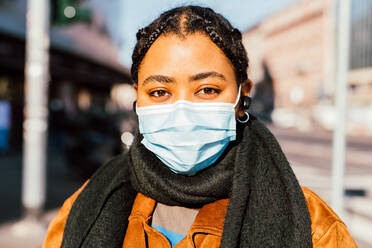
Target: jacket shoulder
57, 225
327, 229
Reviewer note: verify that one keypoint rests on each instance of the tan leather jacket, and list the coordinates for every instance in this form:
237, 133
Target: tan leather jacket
327, 229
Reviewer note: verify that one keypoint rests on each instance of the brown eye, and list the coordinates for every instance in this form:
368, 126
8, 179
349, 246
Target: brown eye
159, 93
208, 91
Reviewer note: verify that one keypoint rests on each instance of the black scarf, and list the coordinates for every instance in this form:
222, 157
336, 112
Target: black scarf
267, 207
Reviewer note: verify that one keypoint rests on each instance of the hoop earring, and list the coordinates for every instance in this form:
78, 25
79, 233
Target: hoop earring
246, 119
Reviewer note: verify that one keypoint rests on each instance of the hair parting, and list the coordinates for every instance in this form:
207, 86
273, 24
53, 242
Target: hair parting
188, 20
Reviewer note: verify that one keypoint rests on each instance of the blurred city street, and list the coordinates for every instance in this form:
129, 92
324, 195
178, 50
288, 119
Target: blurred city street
61, 184
310, 155
310, 63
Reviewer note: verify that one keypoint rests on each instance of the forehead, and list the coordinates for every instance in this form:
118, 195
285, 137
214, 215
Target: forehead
171, 54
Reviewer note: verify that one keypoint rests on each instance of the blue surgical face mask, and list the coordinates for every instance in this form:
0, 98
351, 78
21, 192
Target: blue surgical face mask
188, 136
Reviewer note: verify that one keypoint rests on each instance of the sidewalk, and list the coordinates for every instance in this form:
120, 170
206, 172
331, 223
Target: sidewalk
61, 183
23, 233
318, 133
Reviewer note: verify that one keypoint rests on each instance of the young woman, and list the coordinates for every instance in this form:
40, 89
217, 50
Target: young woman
201, 172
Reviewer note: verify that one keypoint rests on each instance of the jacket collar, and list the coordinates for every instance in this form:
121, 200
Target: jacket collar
210, 218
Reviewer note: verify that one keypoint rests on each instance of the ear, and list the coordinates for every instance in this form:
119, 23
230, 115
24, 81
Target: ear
246, 87
246, 91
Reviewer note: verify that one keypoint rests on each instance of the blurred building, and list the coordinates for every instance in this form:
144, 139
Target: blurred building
83, 69
297, 44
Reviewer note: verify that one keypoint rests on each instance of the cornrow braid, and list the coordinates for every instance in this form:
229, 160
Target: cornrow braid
145, 38
197, 19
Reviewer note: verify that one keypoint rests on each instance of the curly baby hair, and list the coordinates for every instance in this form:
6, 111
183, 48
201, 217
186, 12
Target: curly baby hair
188, 20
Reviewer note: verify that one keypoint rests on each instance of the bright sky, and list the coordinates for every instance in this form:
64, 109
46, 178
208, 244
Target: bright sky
139, 13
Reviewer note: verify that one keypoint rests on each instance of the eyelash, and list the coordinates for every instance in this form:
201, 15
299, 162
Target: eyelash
162, 93
214, 90
153, 93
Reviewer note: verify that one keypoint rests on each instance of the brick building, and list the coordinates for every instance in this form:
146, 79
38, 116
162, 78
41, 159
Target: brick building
298, 46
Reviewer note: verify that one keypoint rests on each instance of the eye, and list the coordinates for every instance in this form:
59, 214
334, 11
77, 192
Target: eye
207, 91
159, 93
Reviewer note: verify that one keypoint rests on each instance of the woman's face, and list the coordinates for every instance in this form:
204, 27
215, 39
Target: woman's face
192, 68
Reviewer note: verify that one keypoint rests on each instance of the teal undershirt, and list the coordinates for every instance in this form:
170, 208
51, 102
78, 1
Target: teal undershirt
174, 238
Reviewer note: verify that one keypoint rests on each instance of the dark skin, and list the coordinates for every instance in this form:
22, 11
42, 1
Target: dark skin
190, 68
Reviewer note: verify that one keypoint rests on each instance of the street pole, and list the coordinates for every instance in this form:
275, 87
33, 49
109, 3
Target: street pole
339, 139
36, 109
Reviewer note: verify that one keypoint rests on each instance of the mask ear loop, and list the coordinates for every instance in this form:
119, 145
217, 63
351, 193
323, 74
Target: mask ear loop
238, 97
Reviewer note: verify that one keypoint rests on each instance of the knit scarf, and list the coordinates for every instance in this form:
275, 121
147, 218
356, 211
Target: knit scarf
266, 209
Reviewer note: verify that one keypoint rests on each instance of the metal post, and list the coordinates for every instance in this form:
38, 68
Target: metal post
36, 110
339, 140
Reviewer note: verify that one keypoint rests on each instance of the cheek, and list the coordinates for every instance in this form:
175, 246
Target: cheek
231, 93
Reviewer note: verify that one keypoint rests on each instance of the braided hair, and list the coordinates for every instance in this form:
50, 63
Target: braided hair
188, 20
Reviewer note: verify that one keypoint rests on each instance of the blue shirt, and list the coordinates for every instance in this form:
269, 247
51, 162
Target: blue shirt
174, 238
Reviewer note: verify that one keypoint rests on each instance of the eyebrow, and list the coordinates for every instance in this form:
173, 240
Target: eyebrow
196, 77
159, 78
204, 75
